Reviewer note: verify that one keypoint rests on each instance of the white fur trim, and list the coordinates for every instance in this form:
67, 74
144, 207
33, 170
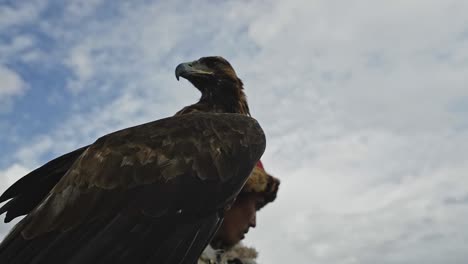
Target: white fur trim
245, 254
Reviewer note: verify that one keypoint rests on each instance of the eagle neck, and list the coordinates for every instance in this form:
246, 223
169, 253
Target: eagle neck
220, 100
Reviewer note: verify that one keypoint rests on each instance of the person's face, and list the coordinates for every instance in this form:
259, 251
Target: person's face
239, 219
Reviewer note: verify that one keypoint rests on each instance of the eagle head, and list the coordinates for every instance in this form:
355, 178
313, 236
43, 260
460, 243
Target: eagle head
221, 89
209, 73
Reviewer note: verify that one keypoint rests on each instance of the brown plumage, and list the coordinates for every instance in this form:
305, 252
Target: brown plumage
153, 193
222, 91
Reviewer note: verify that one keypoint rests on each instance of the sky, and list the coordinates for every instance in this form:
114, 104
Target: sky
364, 104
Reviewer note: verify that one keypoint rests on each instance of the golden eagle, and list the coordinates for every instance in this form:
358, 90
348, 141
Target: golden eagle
153, 193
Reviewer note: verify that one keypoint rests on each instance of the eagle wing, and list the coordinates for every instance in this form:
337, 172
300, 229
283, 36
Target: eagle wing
30, 190
153, 193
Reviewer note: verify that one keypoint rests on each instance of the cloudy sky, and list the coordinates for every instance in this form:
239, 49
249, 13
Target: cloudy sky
365, 106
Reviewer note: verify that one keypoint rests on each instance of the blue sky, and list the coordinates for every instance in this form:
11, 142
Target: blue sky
364, 104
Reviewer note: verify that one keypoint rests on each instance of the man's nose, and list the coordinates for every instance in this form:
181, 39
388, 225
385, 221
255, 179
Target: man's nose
253, 220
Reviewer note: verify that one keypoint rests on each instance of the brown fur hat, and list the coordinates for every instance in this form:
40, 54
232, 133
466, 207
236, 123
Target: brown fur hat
260, 181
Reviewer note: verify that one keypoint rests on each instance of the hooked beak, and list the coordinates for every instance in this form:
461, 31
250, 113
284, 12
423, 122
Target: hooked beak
191, 69
182, 69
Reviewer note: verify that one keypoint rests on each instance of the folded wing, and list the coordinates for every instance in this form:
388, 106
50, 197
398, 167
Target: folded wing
153, 193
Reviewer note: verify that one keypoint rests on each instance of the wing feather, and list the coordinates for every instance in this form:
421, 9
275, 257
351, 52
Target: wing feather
29, 191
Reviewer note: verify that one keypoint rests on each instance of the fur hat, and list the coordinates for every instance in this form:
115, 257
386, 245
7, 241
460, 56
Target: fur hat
260, 181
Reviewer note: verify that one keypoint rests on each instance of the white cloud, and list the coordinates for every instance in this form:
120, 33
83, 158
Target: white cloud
11, 85
12, 174
80, 62
325, 217
355, 98
81, 8
17, 44
32, 152
21, 48
20, 13
365, 59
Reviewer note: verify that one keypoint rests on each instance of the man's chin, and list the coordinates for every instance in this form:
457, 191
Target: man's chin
224, 244
232, 243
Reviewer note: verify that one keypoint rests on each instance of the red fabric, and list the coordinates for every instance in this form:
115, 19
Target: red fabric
260, 165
